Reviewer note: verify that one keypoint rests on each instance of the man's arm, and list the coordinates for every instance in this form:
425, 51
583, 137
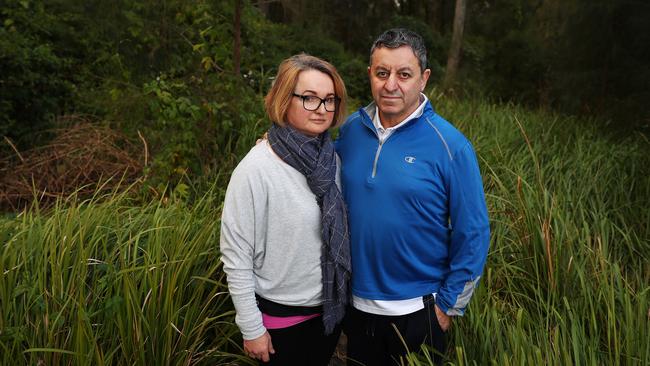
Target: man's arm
470, 233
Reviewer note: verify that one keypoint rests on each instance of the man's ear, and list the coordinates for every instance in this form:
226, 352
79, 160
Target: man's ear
425, 78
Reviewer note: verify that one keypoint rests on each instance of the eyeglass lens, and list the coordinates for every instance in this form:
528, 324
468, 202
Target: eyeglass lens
312, 102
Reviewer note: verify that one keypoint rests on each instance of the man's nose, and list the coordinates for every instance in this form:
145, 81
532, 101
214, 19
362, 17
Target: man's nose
391, 83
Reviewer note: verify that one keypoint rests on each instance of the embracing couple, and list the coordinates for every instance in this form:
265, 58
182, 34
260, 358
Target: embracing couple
382, 233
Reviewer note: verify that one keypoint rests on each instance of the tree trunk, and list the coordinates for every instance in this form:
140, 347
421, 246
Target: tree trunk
456, 43
236, 54
434, 15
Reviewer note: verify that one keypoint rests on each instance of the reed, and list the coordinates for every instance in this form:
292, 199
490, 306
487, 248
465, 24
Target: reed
106, 282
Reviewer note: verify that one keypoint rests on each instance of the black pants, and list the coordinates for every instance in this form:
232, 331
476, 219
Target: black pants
304, 344
374, 341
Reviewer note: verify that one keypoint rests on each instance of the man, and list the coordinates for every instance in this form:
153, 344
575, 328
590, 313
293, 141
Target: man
418, 219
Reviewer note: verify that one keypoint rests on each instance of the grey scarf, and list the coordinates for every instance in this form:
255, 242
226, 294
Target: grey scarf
315, 158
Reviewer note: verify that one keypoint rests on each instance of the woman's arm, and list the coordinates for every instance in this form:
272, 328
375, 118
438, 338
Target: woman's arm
238, 250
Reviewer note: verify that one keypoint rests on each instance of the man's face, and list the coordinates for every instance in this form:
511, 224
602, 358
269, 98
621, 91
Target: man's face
396, 82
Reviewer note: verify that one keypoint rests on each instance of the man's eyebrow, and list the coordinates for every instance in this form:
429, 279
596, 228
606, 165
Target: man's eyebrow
405, 68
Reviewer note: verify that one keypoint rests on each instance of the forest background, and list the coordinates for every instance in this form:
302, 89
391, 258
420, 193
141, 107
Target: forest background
123, 120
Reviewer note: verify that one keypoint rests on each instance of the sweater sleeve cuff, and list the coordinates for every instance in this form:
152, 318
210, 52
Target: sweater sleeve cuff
250, 322
447, 309
250, 334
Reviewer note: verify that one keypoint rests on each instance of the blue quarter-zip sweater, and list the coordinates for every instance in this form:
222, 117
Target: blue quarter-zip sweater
417, 211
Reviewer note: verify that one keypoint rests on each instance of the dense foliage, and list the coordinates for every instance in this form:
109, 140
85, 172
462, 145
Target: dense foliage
580, 56
166, 68
586, 57
165, 71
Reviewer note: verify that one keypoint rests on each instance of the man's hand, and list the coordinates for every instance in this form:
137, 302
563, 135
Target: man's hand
264, 137
259, 348
443, 319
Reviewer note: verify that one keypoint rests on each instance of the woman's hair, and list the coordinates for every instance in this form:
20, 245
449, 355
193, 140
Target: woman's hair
278, 99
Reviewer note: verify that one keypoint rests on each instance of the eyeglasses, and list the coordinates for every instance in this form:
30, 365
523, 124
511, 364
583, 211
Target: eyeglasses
312, 102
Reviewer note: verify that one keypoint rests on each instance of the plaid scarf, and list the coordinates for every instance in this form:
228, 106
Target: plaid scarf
314, 157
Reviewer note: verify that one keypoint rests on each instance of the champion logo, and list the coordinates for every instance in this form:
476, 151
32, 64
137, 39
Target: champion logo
409, 159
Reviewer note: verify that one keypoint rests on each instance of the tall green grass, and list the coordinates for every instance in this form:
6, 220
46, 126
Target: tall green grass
567, 280
108, 281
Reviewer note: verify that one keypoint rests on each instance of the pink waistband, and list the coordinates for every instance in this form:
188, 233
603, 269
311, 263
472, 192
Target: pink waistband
277, 322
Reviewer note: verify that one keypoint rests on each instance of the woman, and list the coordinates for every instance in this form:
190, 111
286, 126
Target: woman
284, 231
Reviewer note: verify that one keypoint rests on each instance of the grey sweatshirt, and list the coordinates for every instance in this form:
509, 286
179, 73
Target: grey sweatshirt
270, 238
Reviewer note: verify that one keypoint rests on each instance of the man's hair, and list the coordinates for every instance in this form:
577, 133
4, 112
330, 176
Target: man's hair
278, 99
398, 37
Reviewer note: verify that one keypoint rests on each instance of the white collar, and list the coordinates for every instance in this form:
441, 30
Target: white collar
416, 114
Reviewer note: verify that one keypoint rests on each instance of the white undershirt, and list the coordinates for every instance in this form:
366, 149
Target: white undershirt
384, 133
391, 307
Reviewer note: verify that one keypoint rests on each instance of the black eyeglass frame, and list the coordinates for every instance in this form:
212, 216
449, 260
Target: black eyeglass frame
337, 100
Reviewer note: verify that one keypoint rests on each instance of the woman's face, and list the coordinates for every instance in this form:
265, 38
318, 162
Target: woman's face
311, 83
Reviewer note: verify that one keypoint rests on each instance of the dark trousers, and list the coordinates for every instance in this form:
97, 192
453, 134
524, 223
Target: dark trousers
304, 344
373, 340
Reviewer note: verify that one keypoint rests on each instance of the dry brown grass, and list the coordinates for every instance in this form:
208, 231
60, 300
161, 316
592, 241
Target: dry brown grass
83, 157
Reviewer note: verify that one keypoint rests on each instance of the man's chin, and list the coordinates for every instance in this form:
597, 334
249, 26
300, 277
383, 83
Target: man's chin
390, 108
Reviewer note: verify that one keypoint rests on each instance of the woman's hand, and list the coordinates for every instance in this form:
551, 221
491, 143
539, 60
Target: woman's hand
259, 348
